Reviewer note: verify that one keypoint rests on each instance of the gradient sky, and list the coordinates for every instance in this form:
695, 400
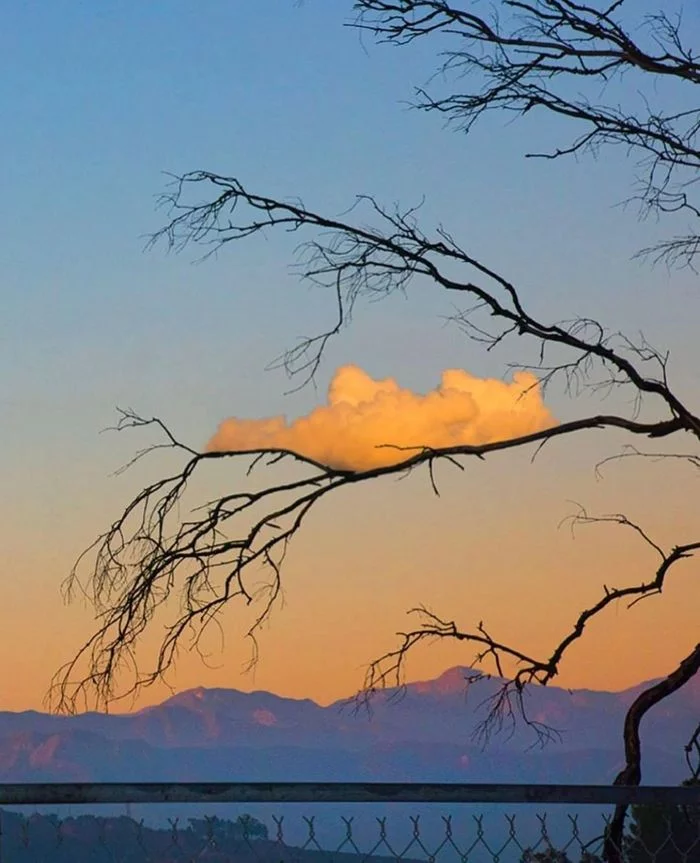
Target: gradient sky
98, 100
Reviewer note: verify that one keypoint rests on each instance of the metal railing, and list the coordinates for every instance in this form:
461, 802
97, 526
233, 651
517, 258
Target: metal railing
351, 822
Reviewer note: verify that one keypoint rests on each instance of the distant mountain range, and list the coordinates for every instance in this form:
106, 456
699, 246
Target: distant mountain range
426, 734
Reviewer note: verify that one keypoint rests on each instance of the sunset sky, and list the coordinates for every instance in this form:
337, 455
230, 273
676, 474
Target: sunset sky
98, 100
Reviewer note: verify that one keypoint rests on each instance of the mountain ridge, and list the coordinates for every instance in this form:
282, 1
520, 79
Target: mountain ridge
423, 731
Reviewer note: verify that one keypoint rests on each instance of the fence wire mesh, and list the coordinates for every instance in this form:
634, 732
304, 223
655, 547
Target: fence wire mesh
653, 835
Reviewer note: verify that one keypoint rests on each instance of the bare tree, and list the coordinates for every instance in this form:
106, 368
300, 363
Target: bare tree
526, 55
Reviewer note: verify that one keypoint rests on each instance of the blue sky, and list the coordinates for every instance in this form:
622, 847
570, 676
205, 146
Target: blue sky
98, 100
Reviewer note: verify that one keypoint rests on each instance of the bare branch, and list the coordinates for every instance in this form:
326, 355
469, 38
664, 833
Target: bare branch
388, 670
630, 451
582, 518
357, 261
557, 56
631, 774
145, 558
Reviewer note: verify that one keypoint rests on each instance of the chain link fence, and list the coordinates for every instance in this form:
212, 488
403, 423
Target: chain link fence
347, 823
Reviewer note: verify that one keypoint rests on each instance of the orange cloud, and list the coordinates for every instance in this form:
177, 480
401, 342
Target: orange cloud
363, 415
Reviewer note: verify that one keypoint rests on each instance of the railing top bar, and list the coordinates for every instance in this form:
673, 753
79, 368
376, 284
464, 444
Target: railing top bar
15, 794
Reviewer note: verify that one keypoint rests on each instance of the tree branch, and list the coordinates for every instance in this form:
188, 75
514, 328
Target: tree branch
556, 56
388, 670
631, 774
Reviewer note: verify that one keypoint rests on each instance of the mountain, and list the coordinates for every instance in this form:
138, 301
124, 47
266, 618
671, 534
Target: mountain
424, 732
449, 708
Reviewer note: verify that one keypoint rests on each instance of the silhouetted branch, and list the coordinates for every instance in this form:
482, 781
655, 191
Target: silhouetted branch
149, 554
388, 670
630, 451
631, 774
558, 56
358, 261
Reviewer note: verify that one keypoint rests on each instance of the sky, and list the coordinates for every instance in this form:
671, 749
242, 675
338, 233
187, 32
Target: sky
100, 102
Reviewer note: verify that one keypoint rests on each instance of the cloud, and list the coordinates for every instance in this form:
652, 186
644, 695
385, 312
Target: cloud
361, 414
